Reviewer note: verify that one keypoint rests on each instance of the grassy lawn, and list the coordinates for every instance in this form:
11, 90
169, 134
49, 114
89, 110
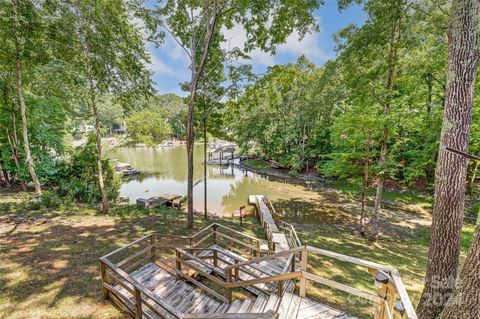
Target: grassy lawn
399, 197
49, 258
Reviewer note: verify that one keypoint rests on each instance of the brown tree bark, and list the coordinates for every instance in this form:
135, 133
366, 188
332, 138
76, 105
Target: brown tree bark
23, 113
16, 155
205, 204
465, 301
98, 140
450, 174
392, 68
196, 76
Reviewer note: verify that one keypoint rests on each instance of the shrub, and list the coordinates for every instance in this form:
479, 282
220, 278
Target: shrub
50, 199
80, 179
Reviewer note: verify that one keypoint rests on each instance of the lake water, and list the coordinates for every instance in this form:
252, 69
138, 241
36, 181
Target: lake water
164, 170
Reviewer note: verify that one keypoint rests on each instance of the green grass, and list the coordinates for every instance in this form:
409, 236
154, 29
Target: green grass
49, 258
257, 164
49, 266
403, 197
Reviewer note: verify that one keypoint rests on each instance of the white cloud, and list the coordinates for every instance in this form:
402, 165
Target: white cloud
310, 46
236, 38
159, 67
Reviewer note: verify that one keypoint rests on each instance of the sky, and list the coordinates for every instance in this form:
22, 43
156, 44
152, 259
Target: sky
169, 63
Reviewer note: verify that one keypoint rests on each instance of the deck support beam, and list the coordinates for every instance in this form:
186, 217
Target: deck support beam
103, 272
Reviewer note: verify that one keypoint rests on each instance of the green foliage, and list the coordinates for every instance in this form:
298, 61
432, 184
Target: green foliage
148, 127
78, 179
50, 199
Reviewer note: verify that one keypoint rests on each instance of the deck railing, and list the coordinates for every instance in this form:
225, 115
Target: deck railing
387, 280
159, 248
119, 286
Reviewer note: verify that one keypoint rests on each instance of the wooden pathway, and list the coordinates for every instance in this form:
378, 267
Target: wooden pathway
186, 298
180, 277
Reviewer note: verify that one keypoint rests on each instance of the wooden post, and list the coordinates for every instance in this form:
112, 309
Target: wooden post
250, 251
214, 235
303, 267
386, 291
293, 263
236, 271
153, 248
258, 249
215, 260
178, 263
138, 303
280, 289
103, 272
228, 279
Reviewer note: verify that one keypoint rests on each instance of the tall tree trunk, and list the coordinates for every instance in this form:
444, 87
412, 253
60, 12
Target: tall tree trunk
392, 67
465, 301
205, 161
190, 142
98, 134
16, 155
450, 175
196, 75
98, 140
23, 113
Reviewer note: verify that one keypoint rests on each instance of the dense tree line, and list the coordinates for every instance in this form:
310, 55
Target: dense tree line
355, 117
58, 59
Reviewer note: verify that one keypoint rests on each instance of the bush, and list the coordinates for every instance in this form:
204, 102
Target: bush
50, 199
79, 180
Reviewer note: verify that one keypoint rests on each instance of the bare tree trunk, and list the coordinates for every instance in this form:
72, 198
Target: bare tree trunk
450, 174
190, 142
196, 75
392, 67
465, 301
98, 140
205, 162
23, 112
98, 134
16, 155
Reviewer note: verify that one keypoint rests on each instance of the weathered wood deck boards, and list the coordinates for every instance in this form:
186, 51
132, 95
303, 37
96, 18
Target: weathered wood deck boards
260, 270
268, 223
188, 299
180, 295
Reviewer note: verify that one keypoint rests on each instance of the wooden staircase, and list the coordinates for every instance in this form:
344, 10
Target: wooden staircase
168, 276
187, 298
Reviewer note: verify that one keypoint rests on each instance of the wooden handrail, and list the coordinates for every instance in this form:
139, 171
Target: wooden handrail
272, 256
350, 259
126, 246
140, 287
402, 292
295, 235
392, 283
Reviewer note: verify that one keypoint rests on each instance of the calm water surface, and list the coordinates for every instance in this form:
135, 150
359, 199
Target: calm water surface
164, 170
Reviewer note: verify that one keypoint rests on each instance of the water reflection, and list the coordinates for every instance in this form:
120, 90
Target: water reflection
165, 171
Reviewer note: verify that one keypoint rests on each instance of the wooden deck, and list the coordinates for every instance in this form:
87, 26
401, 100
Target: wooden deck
186, 298
168, 276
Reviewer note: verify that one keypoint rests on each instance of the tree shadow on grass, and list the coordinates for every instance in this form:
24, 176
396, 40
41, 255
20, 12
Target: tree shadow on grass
51, 270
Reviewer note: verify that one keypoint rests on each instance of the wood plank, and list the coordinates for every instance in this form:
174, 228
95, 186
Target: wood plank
402, 292
202, 286
350, 259
267, 315
234, 306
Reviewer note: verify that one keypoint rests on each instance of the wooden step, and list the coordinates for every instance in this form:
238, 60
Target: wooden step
234, 306
259, 304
